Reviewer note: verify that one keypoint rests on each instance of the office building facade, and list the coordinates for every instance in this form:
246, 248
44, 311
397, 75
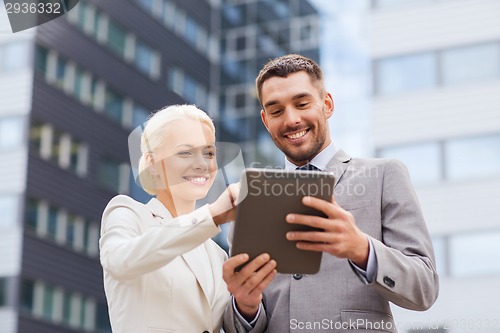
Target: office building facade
436, 66
253, 32
72, 90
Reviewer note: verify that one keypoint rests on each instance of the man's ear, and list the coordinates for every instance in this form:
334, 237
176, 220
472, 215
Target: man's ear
329, 105
263, 118
150, 162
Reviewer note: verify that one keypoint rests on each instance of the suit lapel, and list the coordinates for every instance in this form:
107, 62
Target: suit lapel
338, 165
158, 210
192, 259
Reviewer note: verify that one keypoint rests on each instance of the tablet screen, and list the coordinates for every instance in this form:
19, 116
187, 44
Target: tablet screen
266, 197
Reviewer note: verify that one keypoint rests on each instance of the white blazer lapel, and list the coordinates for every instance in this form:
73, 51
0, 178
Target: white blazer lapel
193, 261
216, 261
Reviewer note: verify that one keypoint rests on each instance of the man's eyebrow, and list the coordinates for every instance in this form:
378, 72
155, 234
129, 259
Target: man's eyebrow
301, 95
184, 145
270, 103
298, 96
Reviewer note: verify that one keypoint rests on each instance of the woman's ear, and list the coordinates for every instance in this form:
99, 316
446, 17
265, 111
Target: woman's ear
151, 165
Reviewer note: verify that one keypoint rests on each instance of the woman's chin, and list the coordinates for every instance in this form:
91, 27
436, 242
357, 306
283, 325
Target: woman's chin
198, 193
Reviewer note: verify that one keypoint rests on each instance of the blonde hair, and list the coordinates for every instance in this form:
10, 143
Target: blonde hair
153, 136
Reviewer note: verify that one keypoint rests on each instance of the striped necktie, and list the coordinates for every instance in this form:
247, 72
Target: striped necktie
308, 167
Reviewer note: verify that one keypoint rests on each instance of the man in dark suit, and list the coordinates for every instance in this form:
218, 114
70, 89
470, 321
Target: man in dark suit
376, 245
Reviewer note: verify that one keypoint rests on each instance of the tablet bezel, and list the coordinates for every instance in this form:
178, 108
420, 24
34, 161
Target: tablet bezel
252, 234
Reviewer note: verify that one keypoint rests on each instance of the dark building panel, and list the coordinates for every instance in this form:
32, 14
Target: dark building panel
56, 265
199, 9
28, 324
121, 76
174, 49
63, 189
66, 113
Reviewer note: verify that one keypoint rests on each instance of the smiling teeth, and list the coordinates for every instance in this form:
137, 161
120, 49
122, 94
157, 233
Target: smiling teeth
297, 135
198, 179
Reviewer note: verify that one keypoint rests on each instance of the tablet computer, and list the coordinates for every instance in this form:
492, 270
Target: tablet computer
266, 197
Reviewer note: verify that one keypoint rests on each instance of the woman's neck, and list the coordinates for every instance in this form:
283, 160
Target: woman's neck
175, 207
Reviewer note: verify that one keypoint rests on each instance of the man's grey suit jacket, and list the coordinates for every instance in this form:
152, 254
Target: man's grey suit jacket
379, 193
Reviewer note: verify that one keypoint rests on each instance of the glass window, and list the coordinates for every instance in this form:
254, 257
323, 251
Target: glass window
32, 214
48, 302
94, 93
189, 90
66, 308
422, 160
396, 3
116, 39
60, 72
143, 57
175, 77
41, 59
201, 96
113, 105
71, 230
11, 132
52, 223
36, 134
15, 56
139, 115
240, 100
471, 63
57, 146
76, 309
83, 310
475, 254
179, 21
8, 209
169, 13
485, 149
27, 295
283, 36
440, 245
82, 13
202, 42
85, 236
3, 291
79, 85
406, 73
234, 13
92, 232
306, 32
266, 44
109, 174
281, 7
240, 43
147, 5
191, 30
102, 318
98, 26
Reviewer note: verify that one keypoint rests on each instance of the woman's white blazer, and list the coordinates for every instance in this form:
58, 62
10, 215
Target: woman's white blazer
152, 278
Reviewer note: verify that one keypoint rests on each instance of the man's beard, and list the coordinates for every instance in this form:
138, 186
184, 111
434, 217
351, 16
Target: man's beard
296, 155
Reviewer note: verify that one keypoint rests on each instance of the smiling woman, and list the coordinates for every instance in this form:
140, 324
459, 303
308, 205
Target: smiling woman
160, 265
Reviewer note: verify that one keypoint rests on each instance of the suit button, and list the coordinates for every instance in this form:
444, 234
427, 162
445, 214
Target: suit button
194, 221
297, 276
389, 282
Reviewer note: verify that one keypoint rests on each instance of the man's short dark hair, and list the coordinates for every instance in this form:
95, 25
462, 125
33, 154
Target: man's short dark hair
286, 65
